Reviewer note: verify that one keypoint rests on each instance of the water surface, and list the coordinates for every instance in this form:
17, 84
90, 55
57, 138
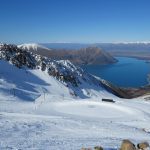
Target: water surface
127, 72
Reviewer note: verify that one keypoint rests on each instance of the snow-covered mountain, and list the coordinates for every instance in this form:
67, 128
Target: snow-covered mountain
32, 47
51, 105
56, 74
129, 49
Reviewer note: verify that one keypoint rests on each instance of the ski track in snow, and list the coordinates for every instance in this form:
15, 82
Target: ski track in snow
60, 128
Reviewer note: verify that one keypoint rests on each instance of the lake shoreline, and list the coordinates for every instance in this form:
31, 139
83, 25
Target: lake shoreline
127, 92
127, 72
145, 58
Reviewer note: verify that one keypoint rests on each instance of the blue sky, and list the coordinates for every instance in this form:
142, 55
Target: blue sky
82, 21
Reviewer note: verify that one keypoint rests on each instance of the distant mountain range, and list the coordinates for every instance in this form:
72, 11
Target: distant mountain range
130, 49
105, 46
83, 56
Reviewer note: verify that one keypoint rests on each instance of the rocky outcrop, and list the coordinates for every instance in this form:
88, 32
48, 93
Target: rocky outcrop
17, 56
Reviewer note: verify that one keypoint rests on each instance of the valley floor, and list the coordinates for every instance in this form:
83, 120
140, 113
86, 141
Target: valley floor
72, 124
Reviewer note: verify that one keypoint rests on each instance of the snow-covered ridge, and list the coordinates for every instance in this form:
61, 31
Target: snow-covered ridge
21, 58
32, 46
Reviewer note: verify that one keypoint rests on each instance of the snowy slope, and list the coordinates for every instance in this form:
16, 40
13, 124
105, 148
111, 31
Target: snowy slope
39, 110
30, 85
74, 124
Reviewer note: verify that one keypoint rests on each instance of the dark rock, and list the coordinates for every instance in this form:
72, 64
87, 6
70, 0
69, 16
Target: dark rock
98, 148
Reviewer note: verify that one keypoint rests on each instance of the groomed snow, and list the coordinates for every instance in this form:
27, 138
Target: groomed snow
92, 109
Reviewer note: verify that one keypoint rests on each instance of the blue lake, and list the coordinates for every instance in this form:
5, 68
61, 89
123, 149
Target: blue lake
127, 72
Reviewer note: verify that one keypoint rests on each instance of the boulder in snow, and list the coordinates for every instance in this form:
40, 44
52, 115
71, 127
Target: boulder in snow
127, 145
143, 146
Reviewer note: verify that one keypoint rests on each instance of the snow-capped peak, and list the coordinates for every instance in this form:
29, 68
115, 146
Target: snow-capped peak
32, 46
